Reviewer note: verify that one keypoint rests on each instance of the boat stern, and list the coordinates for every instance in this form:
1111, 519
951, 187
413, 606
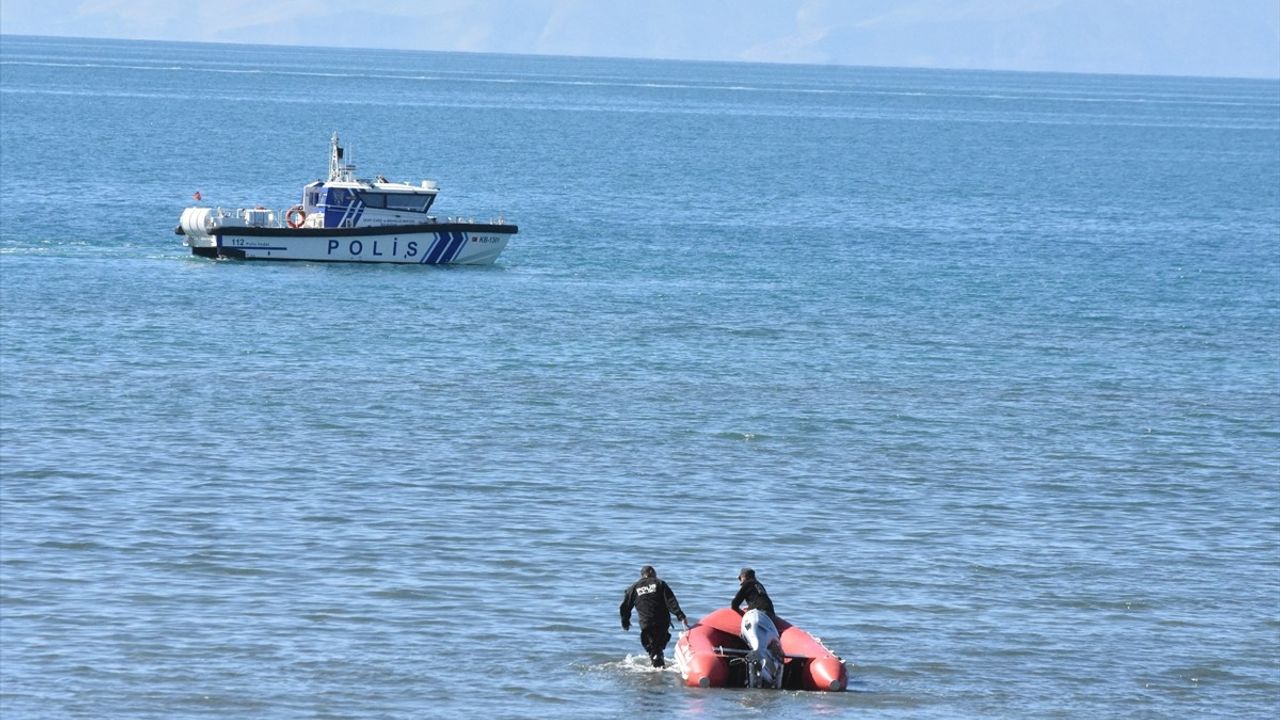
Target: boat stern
699, 663
827, 674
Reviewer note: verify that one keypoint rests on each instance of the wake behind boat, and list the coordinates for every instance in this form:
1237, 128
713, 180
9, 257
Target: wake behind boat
347, 219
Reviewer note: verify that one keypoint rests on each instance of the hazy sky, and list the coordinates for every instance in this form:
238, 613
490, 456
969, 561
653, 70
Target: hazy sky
1238, 38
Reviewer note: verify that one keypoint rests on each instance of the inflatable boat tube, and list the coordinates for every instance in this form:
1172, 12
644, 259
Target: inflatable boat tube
706, 652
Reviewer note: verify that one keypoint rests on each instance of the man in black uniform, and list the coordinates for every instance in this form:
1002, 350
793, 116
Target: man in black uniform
753, 593
654, 603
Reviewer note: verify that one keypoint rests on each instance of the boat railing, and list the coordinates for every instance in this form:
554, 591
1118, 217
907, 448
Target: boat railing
500, 220
259, 216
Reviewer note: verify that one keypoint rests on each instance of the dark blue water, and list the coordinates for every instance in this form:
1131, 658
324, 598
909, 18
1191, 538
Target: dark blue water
980, 371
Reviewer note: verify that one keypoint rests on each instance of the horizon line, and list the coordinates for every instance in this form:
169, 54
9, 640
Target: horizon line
926, 68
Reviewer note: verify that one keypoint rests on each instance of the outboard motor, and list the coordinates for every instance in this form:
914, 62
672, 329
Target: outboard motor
764, 656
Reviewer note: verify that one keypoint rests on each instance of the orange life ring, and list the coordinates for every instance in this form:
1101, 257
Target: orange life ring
295, 217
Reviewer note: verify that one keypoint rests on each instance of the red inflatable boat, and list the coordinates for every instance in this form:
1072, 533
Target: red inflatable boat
710, 654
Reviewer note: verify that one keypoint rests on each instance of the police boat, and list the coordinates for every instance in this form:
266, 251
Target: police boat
728, 649
347, 219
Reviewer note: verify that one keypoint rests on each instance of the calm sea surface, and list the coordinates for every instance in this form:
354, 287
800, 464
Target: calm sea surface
980, 371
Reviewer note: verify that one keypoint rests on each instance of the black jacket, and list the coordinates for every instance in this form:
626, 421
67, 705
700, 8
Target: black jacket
652, 598
755, 596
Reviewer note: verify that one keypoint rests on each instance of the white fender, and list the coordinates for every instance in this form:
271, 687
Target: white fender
197, 221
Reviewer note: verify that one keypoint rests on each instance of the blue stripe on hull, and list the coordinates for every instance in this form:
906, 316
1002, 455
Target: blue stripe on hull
433, 257
459, 241
426, 256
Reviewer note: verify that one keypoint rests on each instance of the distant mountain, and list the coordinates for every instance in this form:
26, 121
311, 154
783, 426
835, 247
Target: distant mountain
1162, 37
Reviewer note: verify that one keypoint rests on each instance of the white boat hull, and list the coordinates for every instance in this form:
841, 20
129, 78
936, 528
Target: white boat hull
442, 244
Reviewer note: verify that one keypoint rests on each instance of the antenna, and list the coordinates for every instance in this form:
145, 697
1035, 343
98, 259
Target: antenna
338, 170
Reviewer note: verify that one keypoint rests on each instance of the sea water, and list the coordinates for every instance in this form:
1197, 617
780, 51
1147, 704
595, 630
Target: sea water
979, 371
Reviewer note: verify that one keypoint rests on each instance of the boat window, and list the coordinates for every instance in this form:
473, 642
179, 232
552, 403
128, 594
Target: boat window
411, 202
374, 200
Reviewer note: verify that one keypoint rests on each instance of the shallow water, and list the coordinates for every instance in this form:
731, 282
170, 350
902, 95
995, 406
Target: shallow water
978, 370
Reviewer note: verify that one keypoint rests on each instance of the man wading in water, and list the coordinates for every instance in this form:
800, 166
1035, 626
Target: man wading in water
654, 603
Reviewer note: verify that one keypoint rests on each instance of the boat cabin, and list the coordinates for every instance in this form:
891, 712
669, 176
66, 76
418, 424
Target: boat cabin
347, 201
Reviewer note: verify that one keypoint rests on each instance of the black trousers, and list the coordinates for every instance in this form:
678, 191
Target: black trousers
654, 638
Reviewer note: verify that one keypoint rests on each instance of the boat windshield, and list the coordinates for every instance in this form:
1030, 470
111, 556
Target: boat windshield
407, 202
